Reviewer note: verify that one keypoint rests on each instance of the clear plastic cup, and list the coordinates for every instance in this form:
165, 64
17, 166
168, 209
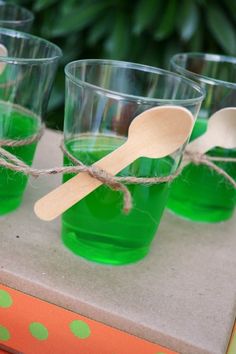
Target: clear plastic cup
201, 194
27, 71
102, 98
15, 17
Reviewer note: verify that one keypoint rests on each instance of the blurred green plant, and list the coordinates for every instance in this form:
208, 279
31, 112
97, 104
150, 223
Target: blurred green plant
144, 31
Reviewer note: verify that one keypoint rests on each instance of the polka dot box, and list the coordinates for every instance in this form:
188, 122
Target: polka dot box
32, 326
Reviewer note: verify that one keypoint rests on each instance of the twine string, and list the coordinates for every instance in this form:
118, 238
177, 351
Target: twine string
202, 159
26, 141
10, 161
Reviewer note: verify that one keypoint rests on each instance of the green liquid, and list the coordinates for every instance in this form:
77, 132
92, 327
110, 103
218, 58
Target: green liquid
95, 228
201, 194
15, 123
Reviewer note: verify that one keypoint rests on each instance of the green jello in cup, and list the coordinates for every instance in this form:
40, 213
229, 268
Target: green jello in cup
102, 99
15, 123
200, 193
27, 70
122, 238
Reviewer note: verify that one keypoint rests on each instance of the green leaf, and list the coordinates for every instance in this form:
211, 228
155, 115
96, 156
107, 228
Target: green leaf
167, 24
55, 115
72, 48
43, 4
138, 48
196, 43
144, 14
150, 57
69, 6
117, 44
48, 18
99, 29
222, 29
56, 99
231, 6
171, 48
19, 2
188, 18
77, 19
202, 2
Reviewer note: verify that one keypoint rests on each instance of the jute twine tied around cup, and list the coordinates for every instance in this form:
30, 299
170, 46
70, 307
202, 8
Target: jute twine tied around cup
11, 162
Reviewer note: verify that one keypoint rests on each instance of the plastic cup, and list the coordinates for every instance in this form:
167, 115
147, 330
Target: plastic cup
15, 17
102, 98
201, 194
27, 72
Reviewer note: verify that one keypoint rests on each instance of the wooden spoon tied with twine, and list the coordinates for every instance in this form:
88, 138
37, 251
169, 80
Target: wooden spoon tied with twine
155, 133
221, 132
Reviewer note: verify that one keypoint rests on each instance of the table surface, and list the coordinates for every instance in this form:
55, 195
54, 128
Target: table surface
182, 295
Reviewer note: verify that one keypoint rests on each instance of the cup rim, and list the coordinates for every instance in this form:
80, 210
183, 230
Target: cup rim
17, 60
30, 15
140, 67
208, 57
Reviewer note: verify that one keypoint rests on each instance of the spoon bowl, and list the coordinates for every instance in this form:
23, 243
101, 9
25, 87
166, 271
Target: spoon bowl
158, 135
222, 127
221, 132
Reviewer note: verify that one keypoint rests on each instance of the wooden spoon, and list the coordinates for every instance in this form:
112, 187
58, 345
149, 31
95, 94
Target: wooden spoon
221, 131
155, 133
3, 53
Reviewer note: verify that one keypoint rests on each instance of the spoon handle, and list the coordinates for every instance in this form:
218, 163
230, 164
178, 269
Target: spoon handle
66, 195
199, 145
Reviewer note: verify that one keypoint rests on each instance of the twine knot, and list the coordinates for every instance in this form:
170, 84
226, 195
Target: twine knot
104, 177
195, 157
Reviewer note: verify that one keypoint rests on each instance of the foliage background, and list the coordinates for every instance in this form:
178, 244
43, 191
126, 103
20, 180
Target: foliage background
143, 31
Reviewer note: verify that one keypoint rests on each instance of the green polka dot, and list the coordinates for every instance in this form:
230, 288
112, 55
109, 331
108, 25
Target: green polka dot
5, 299
38, 330
4, 333
80, 329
